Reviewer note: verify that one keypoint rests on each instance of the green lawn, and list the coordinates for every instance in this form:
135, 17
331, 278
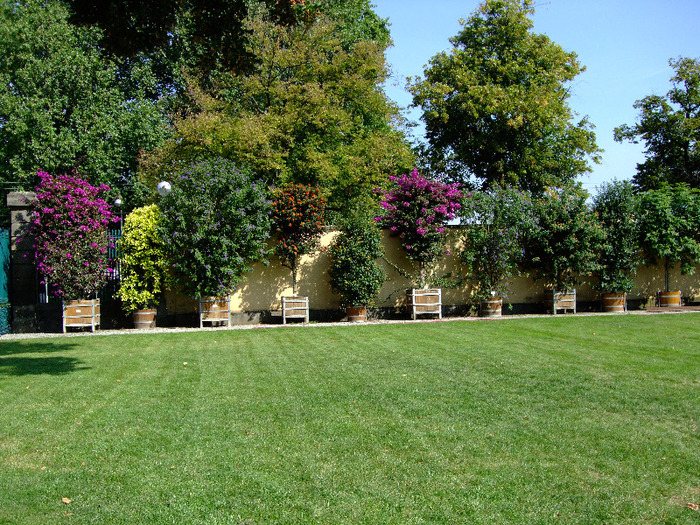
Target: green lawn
541, 420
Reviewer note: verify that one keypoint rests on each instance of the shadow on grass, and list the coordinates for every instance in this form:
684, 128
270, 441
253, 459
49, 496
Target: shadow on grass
22, 366
11, 364
50, 346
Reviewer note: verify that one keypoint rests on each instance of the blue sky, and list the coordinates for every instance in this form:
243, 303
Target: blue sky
624, 44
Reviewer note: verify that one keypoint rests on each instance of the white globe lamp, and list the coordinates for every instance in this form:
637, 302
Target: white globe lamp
163, 188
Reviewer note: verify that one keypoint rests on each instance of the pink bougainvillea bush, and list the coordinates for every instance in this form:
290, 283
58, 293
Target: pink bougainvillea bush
69, 228
418, 209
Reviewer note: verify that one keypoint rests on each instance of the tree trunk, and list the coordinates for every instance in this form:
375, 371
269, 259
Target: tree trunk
294, 277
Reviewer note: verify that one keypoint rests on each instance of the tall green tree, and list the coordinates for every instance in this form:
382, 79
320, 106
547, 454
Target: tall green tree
356, 19
311, 112
216, 222
62, 104
669, 127
496, 106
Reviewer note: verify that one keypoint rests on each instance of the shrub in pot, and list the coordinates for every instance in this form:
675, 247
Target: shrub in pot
493, 222
616, 206
69, 229
355, 273
216, 222
563, 240
669, 223
144, 263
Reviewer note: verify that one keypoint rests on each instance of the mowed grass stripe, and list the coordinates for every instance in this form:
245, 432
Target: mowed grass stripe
572, 419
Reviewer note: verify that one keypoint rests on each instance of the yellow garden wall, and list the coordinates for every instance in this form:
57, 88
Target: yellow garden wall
265, 285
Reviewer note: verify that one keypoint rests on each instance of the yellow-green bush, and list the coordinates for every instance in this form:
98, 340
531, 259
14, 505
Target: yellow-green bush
145, 265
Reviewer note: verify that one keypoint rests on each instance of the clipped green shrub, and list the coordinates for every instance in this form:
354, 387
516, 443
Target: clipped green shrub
355, 273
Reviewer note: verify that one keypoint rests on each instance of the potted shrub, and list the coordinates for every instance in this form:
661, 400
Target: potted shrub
616, 207
355, 273
562, 244
69, 228
669, 223
418, 209
493, 223
144, 265
216, 222
299, 221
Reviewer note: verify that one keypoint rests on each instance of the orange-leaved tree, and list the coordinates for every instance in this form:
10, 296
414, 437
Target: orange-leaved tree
298, 216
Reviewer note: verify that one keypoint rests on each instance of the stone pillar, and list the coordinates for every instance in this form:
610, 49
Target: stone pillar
23, 285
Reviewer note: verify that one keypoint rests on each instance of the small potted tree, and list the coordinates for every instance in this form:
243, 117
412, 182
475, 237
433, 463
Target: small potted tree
562, 244
69, 228
616, 207
669, 223
144, 265
216, 222
355, 273
492, 253
418, 209
299, 220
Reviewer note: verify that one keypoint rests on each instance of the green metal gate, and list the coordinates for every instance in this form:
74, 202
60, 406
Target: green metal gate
4, 281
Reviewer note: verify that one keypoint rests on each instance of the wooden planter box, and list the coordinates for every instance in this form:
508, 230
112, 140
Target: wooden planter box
295, 307
426, 301
83, 313
214, 310
556, 302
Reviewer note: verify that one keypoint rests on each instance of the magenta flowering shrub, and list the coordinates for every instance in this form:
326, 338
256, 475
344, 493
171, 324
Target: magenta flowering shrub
69, 228
417, 209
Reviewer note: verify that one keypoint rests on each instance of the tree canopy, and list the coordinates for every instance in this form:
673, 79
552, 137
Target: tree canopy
216, 225
62, 104
496, 106
210, 35
214, 27
563, 241
90, 84
310, 112
669, 127
616, 206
